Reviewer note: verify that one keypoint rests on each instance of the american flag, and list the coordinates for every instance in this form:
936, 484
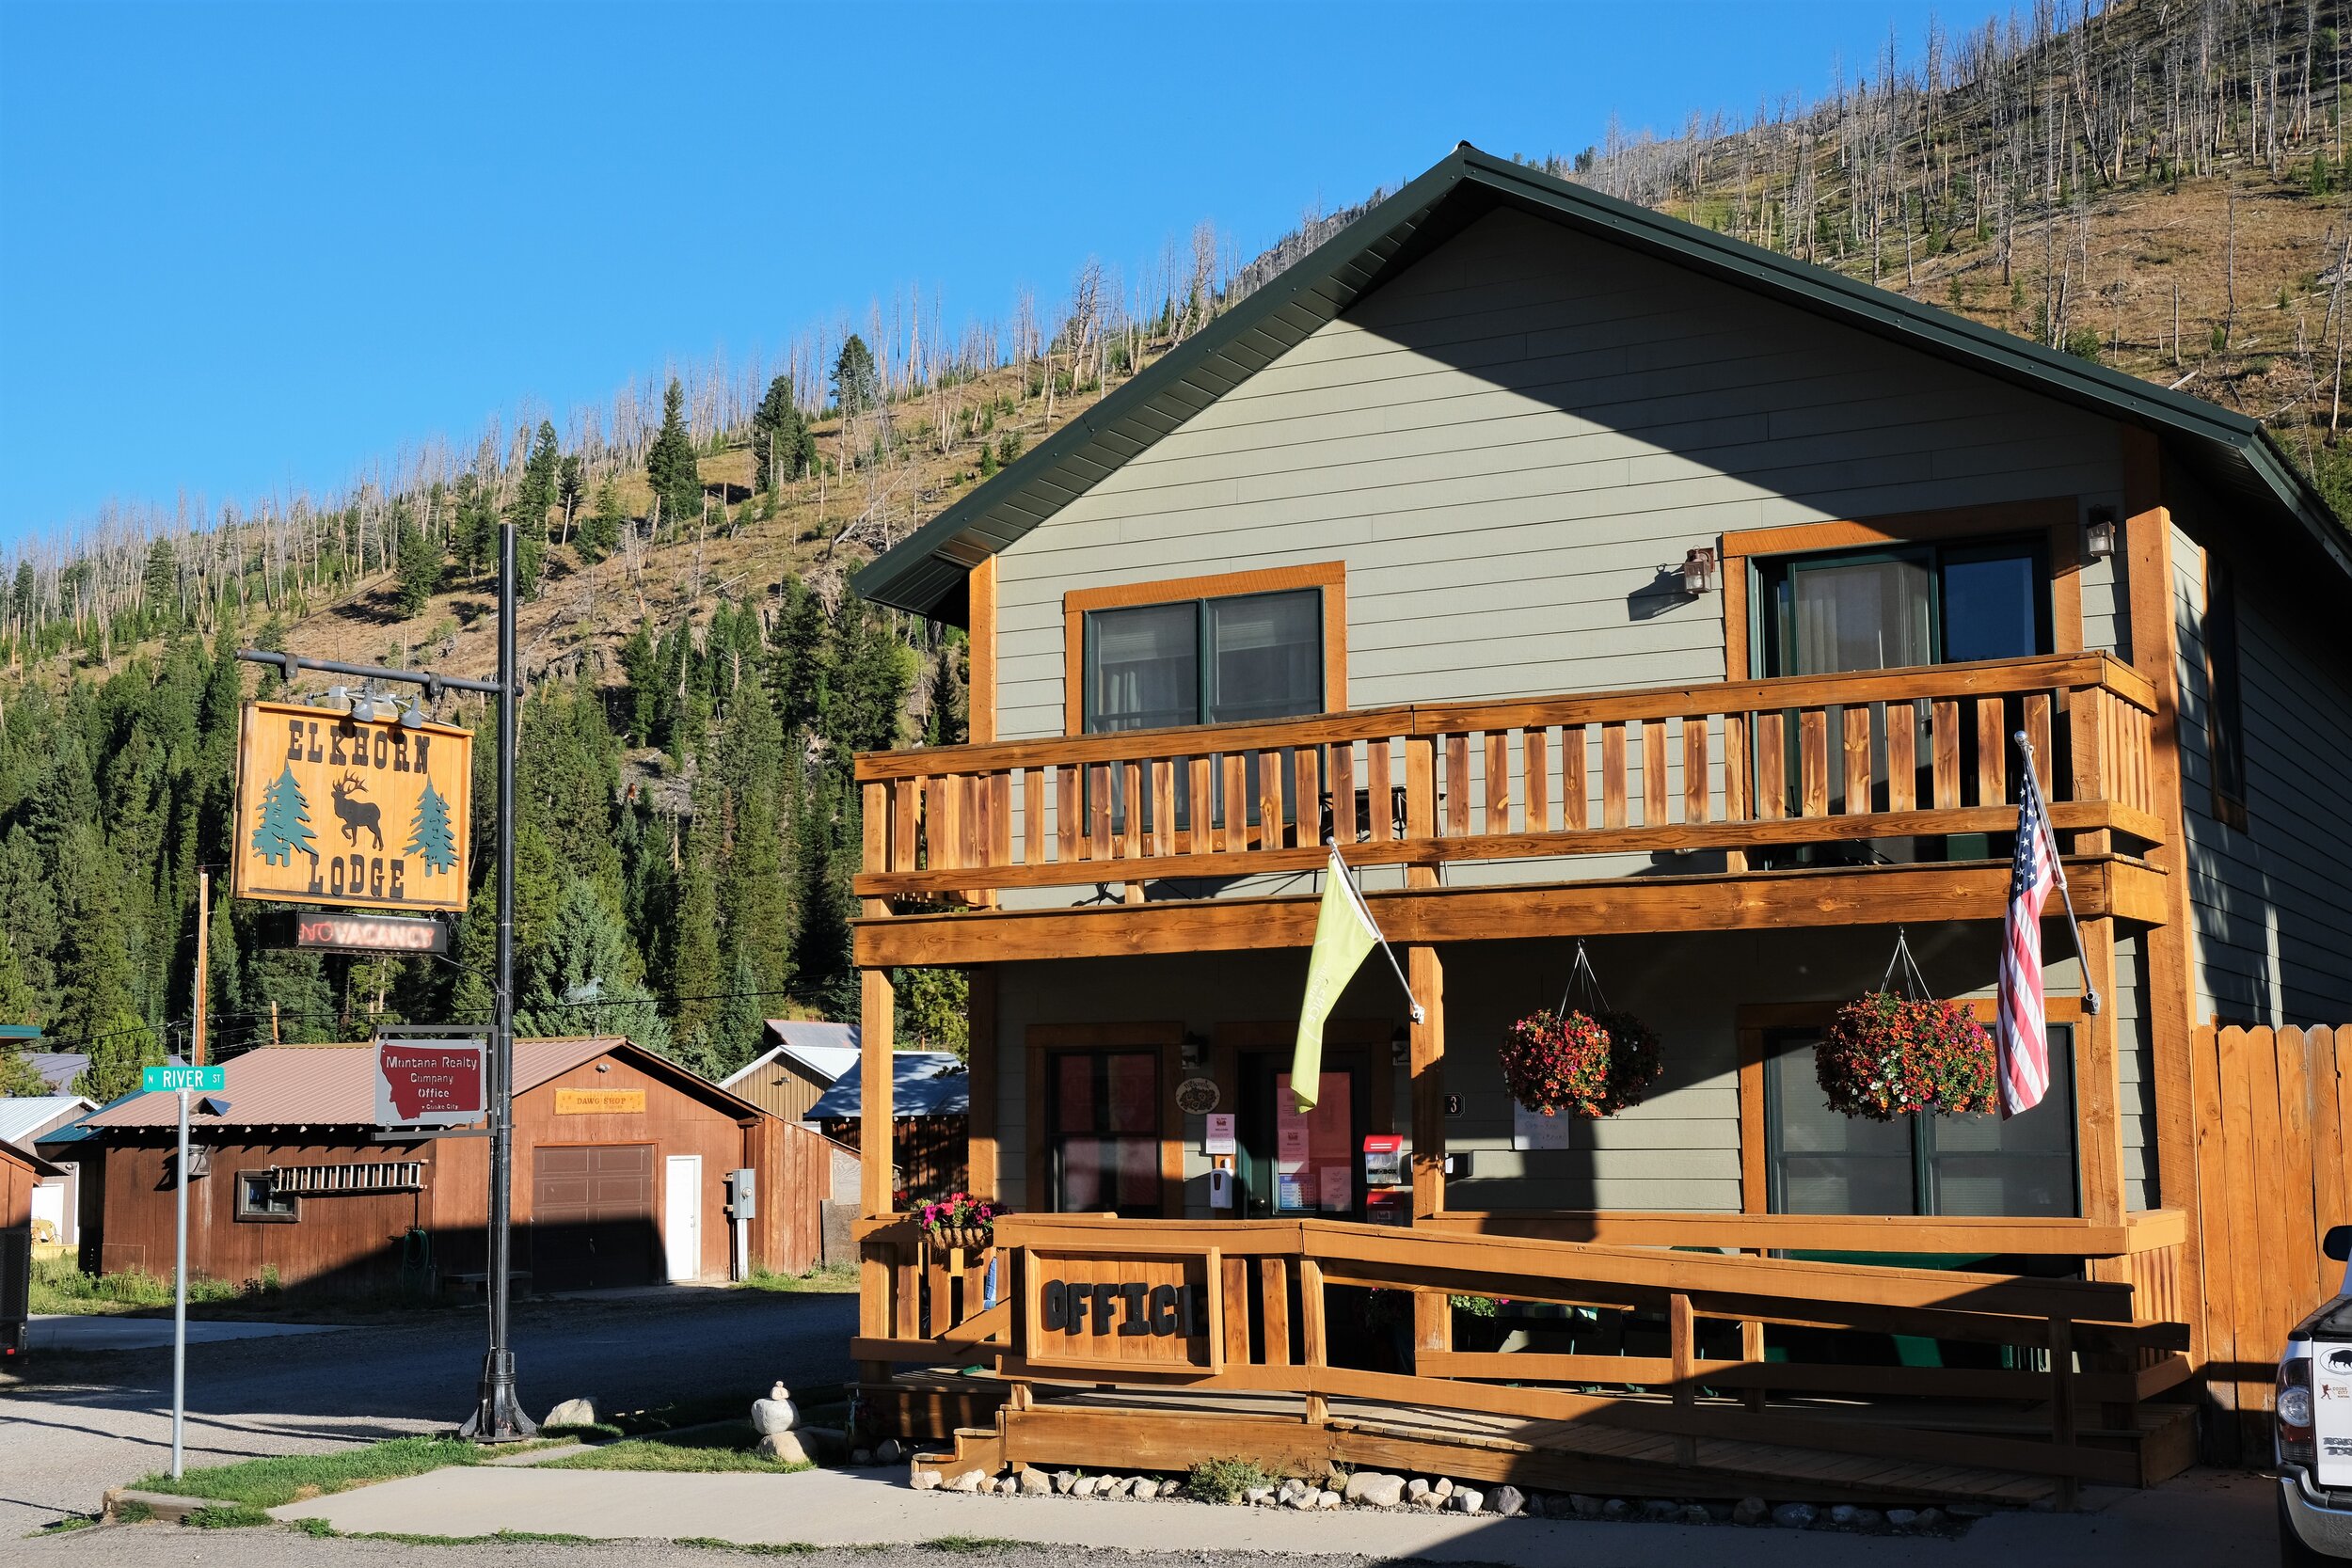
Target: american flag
2023, 1037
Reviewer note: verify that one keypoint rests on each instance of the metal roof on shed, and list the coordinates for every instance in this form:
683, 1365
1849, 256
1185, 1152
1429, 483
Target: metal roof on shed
327, 1086
21, 1115
923, 1083
925, 573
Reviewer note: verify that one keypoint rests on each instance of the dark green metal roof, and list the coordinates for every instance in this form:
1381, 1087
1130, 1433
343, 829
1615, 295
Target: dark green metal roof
926, 572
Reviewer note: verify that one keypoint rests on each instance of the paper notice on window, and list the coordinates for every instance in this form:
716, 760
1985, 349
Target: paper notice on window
1339, 1189
1290, 1193
1534, 1129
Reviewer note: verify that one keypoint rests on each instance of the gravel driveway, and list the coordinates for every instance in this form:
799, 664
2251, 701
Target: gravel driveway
83, 1423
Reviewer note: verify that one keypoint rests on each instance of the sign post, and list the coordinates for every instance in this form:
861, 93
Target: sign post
182, 1081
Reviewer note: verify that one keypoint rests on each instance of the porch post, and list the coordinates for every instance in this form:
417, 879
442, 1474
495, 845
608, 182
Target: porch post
1427, 978
876, 1009
981, 1138
2097, 1082
2170, 1006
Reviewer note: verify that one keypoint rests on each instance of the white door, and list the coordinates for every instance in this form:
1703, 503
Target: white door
682, 1214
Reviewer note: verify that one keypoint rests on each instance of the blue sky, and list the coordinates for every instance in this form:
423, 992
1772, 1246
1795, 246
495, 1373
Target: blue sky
243, 250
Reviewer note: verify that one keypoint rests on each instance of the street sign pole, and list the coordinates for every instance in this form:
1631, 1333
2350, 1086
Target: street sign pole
180, 1293
498, 1416
182, 1081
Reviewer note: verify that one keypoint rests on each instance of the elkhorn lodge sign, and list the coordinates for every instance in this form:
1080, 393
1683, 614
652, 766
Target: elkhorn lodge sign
337, 810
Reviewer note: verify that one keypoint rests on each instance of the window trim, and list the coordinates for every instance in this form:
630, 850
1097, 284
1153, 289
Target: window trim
1758, 1022
245, 1215
2058, 516
1045, 1040
1329, 576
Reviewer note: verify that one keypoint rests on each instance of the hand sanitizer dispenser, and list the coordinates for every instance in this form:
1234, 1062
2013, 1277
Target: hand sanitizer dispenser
1220, 1187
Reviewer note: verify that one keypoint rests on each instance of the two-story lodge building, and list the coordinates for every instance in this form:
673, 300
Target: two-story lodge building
1588, 575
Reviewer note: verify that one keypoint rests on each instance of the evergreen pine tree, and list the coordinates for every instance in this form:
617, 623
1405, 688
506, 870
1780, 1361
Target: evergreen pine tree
542, 473
670, 461
600, 531
587, 949
694, 973
777, 429
755, 905
741, 1022
571, 485
417, 558
159, 585
856, 385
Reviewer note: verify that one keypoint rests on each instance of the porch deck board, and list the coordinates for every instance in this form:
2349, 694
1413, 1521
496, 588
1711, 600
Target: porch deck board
1727, 1463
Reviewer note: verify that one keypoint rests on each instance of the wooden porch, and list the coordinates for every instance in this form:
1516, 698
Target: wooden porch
1219, 1339
1818, 802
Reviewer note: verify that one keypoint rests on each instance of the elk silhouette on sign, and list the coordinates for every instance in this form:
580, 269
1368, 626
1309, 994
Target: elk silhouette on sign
356, 815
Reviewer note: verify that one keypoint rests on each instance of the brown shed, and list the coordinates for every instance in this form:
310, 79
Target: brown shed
621, 1159
805, 1058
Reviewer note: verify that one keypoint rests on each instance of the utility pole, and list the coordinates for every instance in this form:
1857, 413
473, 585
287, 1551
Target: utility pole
498, 1416
203, 928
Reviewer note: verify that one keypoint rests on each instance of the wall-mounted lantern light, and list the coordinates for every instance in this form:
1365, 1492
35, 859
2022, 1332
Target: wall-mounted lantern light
1699, 571
2099, 533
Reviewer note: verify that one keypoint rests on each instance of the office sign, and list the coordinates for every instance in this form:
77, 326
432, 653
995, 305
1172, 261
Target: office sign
336, 810
599, 1102
172, 1080
428, 1083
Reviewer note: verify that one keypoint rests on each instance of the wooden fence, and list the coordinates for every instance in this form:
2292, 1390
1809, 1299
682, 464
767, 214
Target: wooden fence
2274, 1131
1238, 1307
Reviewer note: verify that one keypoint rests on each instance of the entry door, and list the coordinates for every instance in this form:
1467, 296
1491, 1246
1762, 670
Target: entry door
1277, 1179
682, 1215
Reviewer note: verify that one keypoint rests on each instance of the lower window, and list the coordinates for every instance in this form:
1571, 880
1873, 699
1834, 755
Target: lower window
1104, 1112
1821, 1162
258, 1199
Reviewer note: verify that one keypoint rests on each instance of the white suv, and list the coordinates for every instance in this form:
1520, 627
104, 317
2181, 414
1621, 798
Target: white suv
2314, 1426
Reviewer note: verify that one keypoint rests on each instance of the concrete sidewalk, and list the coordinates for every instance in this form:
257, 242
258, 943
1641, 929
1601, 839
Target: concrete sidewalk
98, 1331
2203, 1518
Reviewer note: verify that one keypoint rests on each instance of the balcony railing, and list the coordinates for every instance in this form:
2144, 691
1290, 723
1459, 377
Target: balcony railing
1813, 769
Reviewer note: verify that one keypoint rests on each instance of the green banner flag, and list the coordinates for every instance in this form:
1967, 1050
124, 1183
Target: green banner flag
1344, 934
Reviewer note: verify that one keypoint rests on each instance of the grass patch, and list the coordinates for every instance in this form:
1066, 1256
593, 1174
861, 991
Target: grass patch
504, 1537
289, 1478
227, 1516
971, 1543
1224, 1481
830, 1280
59, 1287
753, 1548
66, 1525
732, 1446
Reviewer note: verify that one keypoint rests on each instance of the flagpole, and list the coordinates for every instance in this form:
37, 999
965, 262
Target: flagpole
1382, 937
2057, 867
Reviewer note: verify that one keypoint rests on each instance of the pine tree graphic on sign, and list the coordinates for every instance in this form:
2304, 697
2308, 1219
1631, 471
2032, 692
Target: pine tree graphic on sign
428, 834
284, 827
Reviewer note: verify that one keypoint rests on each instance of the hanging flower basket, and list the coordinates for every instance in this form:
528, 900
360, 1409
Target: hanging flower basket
1586, 1064
1887, 1056
959, 1220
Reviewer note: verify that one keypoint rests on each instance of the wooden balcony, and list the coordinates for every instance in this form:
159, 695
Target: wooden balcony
1813, 771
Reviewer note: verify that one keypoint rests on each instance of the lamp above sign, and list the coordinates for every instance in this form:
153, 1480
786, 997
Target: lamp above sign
333, 809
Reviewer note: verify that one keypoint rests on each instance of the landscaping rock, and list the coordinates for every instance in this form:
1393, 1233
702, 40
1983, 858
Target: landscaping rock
1616, 1508
1326, 1499
1428, 1501
1930, 1518
1443, 1486
1902, 1518
1415, 1488
775, 1413
1258, 1494
825, 1444
1064, 1481
1085, 1486
1506, 1500
889, 1451
1658, 1511
784, 1447
924, 1481
1375, 1490
1751, 1511
860, 1456
1467, 1499
1795, 1515
969, 1482
1694, 1513
1036, 1484
1848, 1516
572, 1413
1585, 1507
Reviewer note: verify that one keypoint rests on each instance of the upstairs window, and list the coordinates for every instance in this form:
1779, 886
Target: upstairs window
1892, 608
1230, 660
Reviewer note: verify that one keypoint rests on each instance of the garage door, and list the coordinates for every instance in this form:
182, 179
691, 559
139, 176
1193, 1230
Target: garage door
592, 1217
